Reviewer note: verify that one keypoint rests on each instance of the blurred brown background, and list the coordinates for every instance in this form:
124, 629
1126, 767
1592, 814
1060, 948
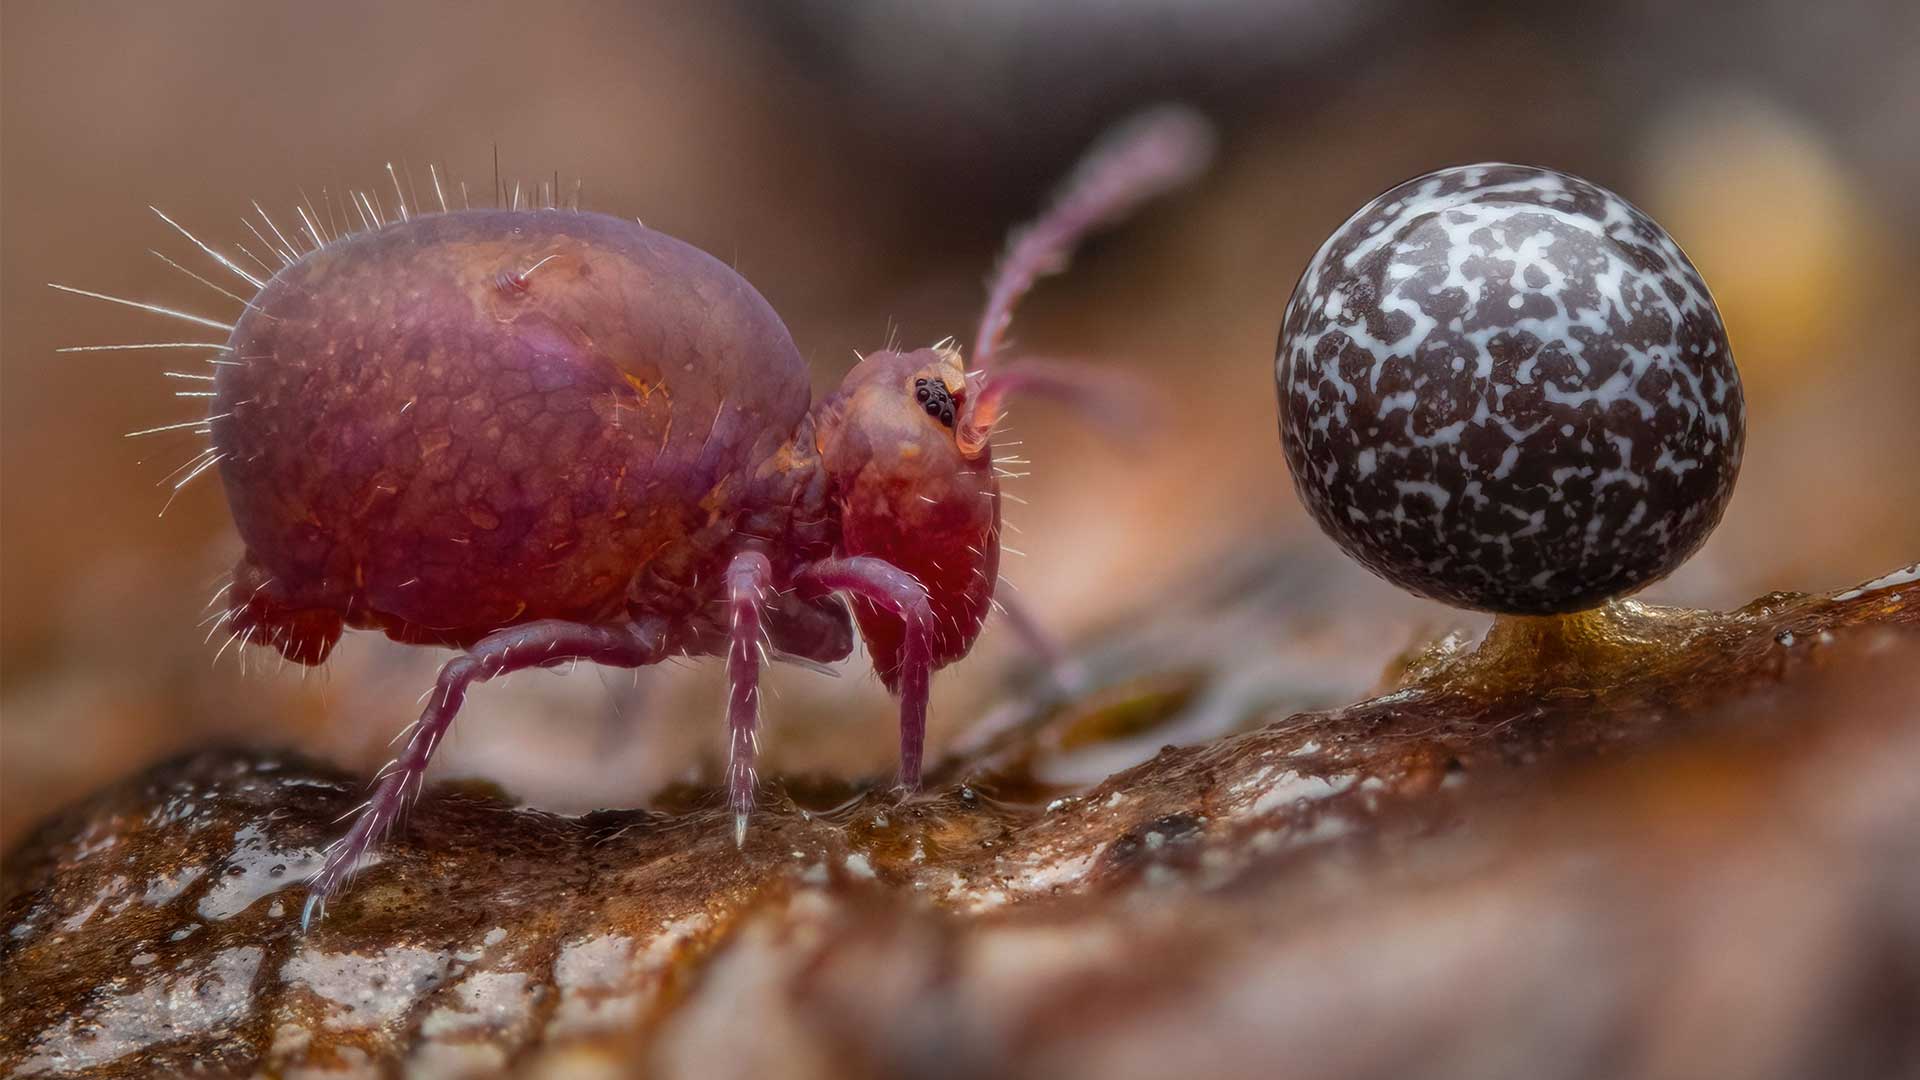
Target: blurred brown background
861, 165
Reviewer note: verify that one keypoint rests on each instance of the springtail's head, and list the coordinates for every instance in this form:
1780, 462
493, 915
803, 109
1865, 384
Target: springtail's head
907, 439
907, 493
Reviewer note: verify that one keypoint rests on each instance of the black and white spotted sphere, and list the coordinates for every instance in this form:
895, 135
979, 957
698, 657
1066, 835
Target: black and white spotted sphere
1506, 388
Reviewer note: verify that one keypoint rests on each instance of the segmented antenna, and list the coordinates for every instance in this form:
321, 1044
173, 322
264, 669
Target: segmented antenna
1140, 158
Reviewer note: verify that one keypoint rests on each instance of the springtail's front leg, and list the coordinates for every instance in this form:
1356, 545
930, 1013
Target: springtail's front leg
900, 593
535, 644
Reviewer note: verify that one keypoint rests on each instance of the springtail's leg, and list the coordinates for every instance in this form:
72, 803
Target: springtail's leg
748, 578
534, 644
899, 592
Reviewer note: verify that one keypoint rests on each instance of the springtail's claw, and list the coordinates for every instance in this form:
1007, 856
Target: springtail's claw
815, 666
740, 829
315, 903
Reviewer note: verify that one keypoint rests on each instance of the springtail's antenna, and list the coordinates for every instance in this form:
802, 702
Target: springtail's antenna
1145, 156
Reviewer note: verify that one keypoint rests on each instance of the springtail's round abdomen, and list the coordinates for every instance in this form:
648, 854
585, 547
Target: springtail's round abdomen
466, 420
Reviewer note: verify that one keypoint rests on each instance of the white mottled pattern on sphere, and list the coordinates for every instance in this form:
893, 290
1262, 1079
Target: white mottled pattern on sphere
1506, 388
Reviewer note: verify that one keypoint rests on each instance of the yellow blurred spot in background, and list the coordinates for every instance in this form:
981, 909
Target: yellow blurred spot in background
1774, 224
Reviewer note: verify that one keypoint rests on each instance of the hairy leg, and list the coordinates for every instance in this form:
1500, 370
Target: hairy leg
748, 577
534, 644
899, 592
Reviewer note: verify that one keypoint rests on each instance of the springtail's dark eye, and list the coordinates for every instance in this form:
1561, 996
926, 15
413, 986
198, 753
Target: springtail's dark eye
933, 397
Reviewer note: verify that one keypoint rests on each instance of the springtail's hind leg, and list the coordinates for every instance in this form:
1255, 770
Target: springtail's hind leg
748, 577
899, 592
534, 644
